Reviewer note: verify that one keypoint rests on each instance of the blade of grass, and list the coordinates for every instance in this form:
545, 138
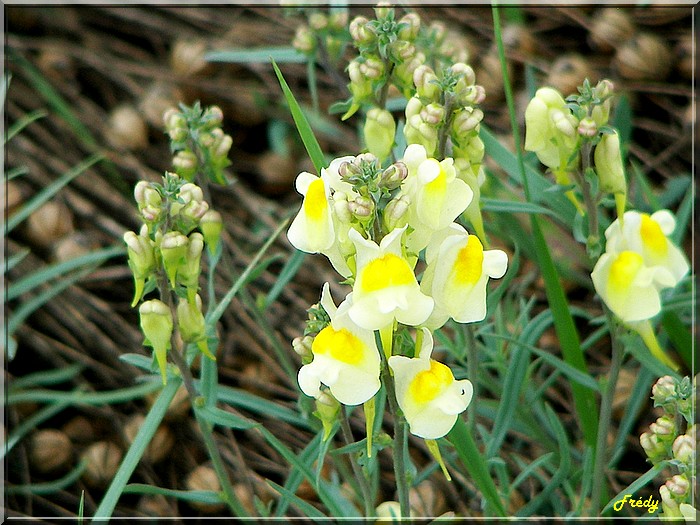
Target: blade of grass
501, 206
475, 464
680, 336
40, 277
23, 123
584, 398
295, 476
302, 124
136, 450
309, 510
14, 260
13, 173
44, 195
198, 496
239, 398
289, 270
50, 487
80, 397
636, 484
216, 416
45, 377
259, 55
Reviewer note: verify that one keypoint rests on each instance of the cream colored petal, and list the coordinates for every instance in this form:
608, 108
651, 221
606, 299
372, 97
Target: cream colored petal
431, 424
364, 313
355, 386
414, 155
309, 381
495, 263
311, 236
327, 301
665, 220
419, 307
456, 398
437, 238
426, 347
459, 195
303, 180
536, 124
391, 243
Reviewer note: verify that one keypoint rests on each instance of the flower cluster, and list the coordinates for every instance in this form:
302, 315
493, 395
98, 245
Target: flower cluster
166, 254
372, 224
639, 261
323, 34
666, 442
198, 142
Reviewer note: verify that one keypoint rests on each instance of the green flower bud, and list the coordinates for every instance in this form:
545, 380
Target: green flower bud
211, 225
340, 207
678, 486
189, 192
467, 77
382, 10
392, 177
665, 428
433, 114
466, 124
611, 173
669, 504
302, 346
190, 265
318, 21
185, 164
372, 68
563, 122
412, 26
424, 78
304, 40
173, 119
413, 107
418, 132
327, 410
157, 327
173, 248
684, 448
379, 131
587, 127
361, 207
338, 20
437, 31
142, 261
664, 391
191, 323
214, 116
177, 134
653, 447
403, 73
396, 213
223, 146
148, 200
402, 50
360, 33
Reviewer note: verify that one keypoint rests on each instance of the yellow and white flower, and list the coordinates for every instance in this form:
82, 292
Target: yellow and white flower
457, 274
628, 286
427, 392
312, 229
385, 287
345, 358
436, 194
647, 235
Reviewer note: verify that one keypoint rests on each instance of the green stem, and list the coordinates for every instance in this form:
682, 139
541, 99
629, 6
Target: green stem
359, 475
472, 370
444, 132
400, 444
605, 416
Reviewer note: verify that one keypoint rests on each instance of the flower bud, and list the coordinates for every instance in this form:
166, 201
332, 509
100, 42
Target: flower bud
608, 164
466, 123
664, 390
302, 346
474, 96
425, 80
418, 132
173, 248
437, 31
587, 127
338, 20
678, 486
412, 26
191, 323
372, 68
157, 327
304, 40
382, 10
466, 74
562, 123
142, 261
664, 427
173, 119
361, 207
340, 207
402, 50
178, 134
185, 164
413, 107
433, 114
223, 147
147, 198
327, 410
653, 447
684, 448
348, 170
190, 265
359, 31
396, 213
668, 503
211, 226
392, 177
318, 21
379, 131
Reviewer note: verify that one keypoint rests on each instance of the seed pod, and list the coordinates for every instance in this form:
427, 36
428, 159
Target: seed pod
14, 197
426, 499
50, 450
79, 429
204, 478
126, 129
103, 459
187, 57
70, 247
611, 28
644, 57
49, 223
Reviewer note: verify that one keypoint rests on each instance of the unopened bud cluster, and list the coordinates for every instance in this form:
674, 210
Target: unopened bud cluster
167, 253
198, 143
667, 441
323, 33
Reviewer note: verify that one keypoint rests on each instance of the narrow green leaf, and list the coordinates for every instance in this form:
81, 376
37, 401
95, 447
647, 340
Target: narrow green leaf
22, 123
138, 360
13, 173
475, 464
637, 484
296, 476
259, 55
501, 206
44, 195
289, 270
683, 215
680, 336
51, 487
309, 510
40, 277
302, 124
216, 416
79, 397
136, 450
30, 424
45, 377
14, 260
530, 470
199, 496
239, 398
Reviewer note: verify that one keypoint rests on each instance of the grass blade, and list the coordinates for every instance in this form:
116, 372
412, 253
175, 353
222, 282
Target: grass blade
259, 55
30, 424
637, 484
136, 450
46, 377
309, 510
79, 397
23, 123
289, 270
48, 192
50, 487
302, 124
199, 496
475, 464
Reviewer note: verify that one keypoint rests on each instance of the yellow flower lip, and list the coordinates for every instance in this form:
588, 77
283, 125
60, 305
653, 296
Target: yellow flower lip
315, 202
624, 269
341, 345
429, 384
652, 235
468, 266
386, 271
